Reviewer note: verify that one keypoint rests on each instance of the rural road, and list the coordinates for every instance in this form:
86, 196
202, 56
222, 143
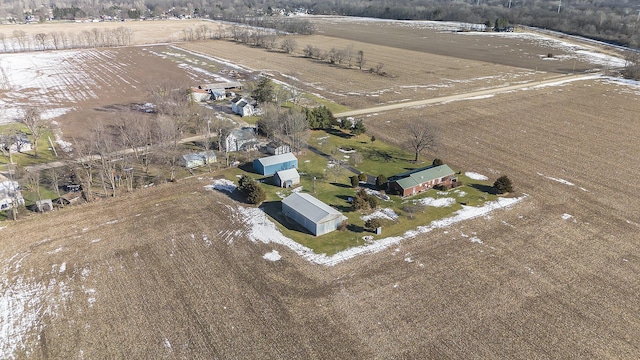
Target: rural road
461, 96
57, 164
370, 110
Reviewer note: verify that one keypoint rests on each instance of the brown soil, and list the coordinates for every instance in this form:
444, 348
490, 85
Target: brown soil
542, 284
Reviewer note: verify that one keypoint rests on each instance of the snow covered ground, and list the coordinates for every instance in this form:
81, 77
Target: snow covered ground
263, 230
476, 176
25, 303
442, 202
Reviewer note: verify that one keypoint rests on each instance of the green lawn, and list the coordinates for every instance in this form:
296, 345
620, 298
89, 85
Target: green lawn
333, 107
376, 157
335, 191
45, 154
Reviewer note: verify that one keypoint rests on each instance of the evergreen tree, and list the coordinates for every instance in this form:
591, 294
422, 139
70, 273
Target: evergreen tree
263, 93
354, 181
381, 182
503, 185
320, 118
359, 128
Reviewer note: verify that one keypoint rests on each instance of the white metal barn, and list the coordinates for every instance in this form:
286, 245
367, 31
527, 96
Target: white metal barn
286, 178
314, 215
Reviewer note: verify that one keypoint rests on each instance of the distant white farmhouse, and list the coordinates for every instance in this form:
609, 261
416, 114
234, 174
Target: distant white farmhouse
10, 195
18, 143
314, 215
276, 148
242, 107
242, 139
195, 160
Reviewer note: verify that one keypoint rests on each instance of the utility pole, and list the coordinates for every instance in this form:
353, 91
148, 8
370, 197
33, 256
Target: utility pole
559, 5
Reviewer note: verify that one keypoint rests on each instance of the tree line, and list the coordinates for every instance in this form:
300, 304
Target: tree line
607, 20
614, 21
58, 40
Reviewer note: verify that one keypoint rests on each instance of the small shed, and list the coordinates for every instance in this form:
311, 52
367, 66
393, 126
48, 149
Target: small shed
276, 148
43, 205
314, 215
286, 178
195, 160
271, 164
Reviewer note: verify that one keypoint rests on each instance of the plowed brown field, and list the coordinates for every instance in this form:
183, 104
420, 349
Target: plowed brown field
168, 271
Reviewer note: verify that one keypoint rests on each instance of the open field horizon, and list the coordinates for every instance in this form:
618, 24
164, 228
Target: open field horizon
175, 271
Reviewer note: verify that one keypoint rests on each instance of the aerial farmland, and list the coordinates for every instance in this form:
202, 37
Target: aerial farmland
186, 269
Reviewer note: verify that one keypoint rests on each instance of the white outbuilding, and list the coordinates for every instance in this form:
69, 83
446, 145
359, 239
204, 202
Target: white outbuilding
314, 215
286, 178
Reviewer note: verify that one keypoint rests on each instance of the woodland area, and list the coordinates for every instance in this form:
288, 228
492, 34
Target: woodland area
614, 21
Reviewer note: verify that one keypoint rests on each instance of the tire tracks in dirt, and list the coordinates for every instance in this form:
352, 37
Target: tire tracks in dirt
472, 94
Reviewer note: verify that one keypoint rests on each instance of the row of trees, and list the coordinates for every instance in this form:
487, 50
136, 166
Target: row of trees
57, 40
609, 20
615, 21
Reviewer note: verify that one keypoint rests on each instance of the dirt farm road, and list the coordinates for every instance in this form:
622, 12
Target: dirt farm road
57, 164
571, 77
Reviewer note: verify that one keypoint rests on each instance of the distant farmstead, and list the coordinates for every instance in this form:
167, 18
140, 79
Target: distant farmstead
10, 194
242, 139
276, 148
271, 164
199, 95
418, 180
314, 215
243, 107
195, 160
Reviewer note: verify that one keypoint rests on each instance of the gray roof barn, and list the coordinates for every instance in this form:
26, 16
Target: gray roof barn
314, 215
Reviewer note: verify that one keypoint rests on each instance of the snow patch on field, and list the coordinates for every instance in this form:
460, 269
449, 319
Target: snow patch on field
52, 80
442, 202
476, 240
562, 181
579, 52
386, 213
563, 82
460, 193
261, 229
222, 185
25, 304
272, 256
476, 176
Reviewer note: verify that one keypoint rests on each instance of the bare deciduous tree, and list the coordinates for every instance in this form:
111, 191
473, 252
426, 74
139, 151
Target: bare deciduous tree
41, 40
54, 180
33, 121
289, 45
296, 129
422, 135
21, 39
269, 124
360, 60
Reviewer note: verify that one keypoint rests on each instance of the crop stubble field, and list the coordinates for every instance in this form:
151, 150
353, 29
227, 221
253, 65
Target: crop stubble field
168, 272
